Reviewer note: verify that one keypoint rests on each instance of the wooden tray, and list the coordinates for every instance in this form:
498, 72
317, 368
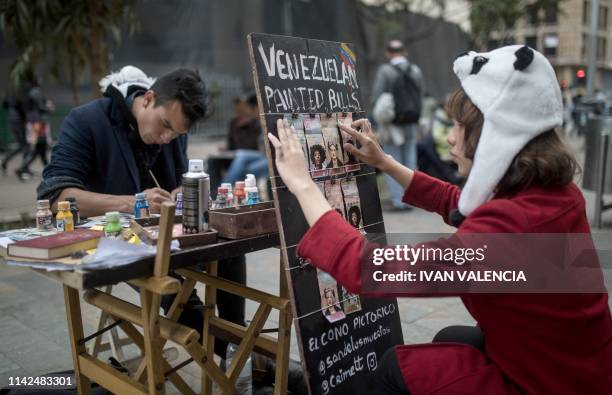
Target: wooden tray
148, 234
244, 221
152, 221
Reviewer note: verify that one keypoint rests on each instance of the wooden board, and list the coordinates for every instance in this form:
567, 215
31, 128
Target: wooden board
300, 76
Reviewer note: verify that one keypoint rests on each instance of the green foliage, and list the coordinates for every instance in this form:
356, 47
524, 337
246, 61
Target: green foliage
487, 16
67, 35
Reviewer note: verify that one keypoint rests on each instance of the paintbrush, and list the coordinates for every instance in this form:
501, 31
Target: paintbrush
154, 179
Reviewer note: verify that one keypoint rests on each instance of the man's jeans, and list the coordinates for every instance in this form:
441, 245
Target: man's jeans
406, 154
247, 162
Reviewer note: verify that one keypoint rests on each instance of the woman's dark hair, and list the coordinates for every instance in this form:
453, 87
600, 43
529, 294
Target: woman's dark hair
354, 209
187, 87
317, 147
545, 160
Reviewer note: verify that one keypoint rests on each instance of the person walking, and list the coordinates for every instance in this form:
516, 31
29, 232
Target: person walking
399, 83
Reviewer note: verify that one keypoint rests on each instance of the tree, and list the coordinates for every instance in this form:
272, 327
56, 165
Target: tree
388, 18
488, 16
69, 36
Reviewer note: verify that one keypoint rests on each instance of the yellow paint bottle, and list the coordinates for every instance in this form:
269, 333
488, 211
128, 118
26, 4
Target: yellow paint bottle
63, 218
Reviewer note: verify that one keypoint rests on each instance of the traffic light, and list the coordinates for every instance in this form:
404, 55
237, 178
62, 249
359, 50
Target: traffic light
581, 76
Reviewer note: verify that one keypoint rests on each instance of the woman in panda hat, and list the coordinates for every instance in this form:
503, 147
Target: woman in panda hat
519, 181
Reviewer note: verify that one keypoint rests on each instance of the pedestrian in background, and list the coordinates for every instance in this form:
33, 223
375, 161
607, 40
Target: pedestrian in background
400, 84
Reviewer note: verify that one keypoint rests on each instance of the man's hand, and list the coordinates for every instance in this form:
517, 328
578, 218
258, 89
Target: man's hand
155, 197
174, 192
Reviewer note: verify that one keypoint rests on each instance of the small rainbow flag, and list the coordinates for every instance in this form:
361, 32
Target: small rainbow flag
347, 55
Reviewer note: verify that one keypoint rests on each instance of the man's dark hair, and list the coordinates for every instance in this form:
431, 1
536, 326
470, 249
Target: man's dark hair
187, 87
249, 98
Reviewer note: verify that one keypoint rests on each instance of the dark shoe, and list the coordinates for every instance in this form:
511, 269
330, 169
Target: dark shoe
23, 176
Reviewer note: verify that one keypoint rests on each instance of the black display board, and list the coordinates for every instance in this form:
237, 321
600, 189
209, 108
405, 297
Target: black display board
314, 85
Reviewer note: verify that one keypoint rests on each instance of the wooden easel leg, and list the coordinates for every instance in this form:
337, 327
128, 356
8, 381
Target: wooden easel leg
173, 314
210, 368
94, 348
152, 341
284, 336
114, 340
75, 331
138, 340
208, 340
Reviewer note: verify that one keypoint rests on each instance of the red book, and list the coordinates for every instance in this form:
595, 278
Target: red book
57, 245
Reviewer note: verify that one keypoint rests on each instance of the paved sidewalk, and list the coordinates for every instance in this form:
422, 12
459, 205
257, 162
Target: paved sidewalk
33, 332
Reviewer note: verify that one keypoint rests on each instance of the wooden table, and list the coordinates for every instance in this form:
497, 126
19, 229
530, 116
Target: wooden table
182, 262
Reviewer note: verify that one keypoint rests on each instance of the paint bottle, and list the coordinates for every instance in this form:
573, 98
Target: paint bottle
196, 198
179, 204
239, 194
74, 209
252, 197
230, 194
44, 216
250, 184
112, 227
221, 200
63, 218
141, 206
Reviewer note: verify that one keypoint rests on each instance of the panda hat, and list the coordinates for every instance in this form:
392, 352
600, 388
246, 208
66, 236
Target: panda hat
517, 91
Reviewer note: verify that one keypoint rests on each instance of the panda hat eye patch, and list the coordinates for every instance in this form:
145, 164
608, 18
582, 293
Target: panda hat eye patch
477, 64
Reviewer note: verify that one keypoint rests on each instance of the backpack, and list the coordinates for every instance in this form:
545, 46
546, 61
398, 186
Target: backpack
407, 98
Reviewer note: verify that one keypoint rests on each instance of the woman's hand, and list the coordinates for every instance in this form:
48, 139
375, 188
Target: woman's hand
290, 160
370, 151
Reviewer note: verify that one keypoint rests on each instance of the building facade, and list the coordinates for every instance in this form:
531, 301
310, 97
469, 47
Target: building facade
563, 36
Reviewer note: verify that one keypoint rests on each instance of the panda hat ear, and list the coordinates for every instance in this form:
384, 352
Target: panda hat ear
518, 93
524, 57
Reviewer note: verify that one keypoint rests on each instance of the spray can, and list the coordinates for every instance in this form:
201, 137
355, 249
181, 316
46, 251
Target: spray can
196, 198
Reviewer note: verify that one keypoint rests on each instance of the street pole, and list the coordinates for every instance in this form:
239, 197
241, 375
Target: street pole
592, 53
